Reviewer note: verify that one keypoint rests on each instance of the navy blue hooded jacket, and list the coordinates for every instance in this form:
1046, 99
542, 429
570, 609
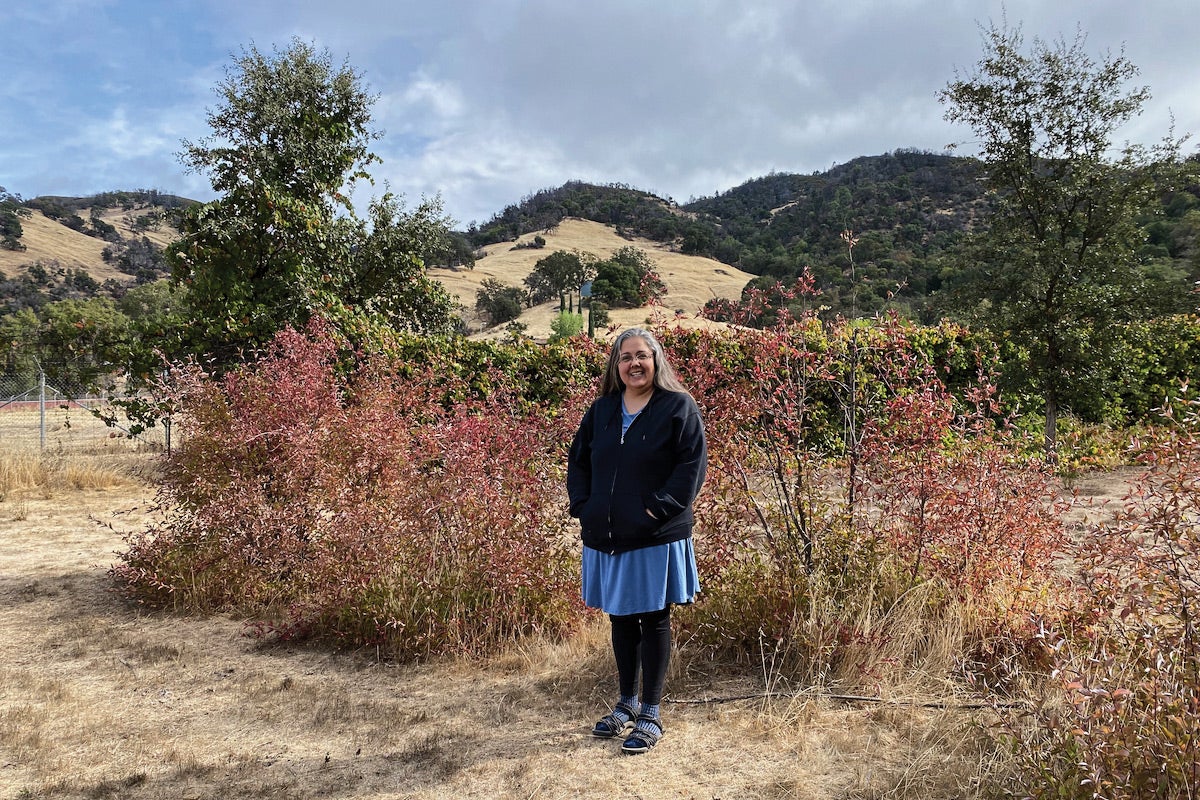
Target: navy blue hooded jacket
659, 467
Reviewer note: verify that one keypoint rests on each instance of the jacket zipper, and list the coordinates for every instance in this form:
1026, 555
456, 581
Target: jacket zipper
613, 487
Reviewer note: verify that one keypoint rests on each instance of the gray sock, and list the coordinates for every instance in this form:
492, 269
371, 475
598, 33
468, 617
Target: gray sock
622, 714
647, 724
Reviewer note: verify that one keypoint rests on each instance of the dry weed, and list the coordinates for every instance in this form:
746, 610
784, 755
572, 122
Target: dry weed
98, 699
912, 651
26, 472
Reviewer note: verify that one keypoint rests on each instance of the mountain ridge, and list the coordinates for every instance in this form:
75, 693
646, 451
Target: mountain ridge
908, 210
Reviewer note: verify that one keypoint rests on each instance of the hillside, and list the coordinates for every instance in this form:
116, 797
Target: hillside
691, 280
909, 210
50, 241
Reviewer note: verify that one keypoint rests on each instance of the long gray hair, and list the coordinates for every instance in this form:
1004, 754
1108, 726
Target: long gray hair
664, 375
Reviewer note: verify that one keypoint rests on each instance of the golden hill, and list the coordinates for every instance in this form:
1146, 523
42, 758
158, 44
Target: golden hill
48, 241
690, 280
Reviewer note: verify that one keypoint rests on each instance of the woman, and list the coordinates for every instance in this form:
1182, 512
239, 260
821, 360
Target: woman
634, 468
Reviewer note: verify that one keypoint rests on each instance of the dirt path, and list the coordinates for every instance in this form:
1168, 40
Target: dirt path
99, 699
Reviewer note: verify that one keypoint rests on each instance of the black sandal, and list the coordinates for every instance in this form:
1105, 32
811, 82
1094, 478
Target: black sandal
643, 738
611, 726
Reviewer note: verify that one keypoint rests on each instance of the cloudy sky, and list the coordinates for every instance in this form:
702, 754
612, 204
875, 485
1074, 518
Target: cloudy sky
485, 101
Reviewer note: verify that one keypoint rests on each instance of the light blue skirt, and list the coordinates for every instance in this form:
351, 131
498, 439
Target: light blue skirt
640, 581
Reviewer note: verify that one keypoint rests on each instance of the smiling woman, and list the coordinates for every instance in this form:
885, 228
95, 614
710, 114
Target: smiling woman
636, 368
635, 466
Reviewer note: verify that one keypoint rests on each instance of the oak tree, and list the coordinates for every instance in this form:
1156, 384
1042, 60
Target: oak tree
1056, 265
291, 136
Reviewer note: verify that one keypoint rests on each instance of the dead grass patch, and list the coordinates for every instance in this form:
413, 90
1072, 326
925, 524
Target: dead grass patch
101, 699
26, 473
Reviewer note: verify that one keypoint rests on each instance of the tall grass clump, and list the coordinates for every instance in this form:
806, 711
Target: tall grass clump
395, 504
1117, 715
20, 469
47, 473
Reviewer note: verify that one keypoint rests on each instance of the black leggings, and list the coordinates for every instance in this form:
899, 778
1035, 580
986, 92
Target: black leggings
642, 640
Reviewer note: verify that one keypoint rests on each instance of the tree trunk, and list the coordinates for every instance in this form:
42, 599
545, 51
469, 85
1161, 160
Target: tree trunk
1050, 442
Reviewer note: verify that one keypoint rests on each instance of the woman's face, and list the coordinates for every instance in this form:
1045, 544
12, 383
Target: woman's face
635, 365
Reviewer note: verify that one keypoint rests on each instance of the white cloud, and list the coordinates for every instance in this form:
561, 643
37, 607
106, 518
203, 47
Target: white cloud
478, 172
485, 101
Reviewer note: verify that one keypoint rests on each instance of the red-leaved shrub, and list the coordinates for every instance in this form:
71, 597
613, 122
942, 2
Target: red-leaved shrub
1119, 718
414, 499
844, 474
362, 506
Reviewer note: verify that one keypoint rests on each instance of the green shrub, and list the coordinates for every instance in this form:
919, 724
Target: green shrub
565, 325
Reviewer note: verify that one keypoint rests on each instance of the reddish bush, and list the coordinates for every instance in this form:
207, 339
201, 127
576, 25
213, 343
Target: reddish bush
417, 501
361, 507
843, 472
1119, 718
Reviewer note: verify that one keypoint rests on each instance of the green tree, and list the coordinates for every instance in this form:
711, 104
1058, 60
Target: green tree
138, 257
11, 213
18, 340
616, 285
102, 229
290, 133
1056, 267
156, 325
559, 272
79, 343
627, 279
597, 314
498, 302
650, 285
384, 277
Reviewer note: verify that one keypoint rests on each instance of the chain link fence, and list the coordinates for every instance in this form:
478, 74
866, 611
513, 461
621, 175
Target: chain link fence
39, 413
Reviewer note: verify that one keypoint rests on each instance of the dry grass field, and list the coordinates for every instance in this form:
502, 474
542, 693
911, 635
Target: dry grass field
49, 241
691, 281
67, 428
100, 699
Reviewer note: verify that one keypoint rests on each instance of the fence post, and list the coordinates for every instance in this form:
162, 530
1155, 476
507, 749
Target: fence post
42, 408
167, 419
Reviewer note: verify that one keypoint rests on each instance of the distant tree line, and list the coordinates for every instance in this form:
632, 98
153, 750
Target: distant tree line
910, 211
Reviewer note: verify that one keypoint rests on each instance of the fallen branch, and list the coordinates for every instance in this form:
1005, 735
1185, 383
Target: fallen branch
850, 698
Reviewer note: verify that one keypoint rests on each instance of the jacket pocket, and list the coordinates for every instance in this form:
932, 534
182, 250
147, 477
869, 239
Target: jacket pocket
593, 516
630, 519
